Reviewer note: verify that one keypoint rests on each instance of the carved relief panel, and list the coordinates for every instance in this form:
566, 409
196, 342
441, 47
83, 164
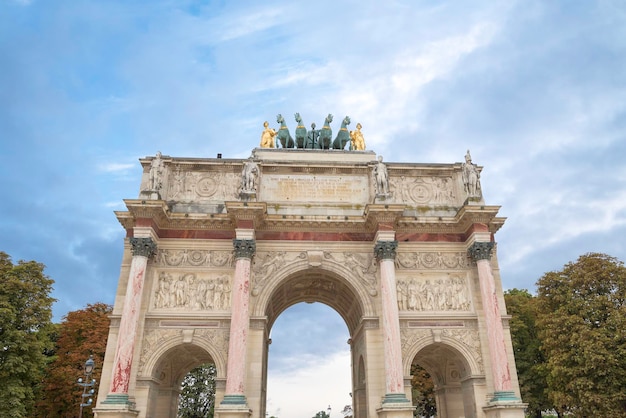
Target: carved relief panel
434, 293
423, 190
192, 291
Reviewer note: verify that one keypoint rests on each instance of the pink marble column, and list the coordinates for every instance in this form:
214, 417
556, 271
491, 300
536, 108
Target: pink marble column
481, 253
142, 249
394, 379
239, 323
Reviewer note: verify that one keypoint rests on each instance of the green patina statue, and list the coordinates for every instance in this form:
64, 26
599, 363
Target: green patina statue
283, 133
300, 132
326, 134
343, 136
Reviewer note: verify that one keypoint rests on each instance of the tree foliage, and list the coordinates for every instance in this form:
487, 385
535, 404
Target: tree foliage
423, 392
321, 414
583, 331
529, 359
25, 327
82, 333
197, 396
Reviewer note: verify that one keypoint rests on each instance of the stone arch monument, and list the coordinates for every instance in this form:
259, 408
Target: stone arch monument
217, 249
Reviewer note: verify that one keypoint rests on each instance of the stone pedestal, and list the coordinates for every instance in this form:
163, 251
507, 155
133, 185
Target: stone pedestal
115, 413
396, 410
232, 411
505, 410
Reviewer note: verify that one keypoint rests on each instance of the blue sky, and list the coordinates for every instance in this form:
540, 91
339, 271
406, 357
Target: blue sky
535, 89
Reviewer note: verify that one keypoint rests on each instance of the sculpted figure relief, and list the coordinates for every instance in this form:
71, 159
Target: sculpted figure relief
471, 177
449, 294
248, 176
382, 178
156, 172
357, 142
187, 291
267, 136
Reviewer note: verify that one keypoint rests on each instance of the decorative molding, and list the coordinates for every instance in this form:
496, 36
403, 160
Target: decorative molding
480, 250
144, 247
385, 250
431, 260
194, 258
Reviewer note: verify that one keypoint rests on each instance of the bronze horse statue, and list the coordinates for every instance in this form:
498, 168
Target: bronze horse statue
300, 132
283, 133
326, 134
343, 136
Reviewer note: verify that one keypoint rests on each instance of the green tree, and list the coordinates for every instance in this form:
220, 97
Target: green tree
321, 414
82, 333
583, 331
423, 392
197, 396
25, 328
529, 359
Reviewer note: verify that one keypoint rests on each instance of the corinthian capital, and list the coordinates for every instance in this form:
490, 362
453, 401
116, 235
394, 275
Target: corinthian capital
143, 246
385, 250
244, 248
480, 250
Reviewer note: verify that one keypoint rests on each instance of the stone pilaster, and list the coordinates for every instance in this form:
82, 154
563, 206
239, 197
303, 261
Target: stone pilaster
385, 252
239, 323
142, 249
480, 252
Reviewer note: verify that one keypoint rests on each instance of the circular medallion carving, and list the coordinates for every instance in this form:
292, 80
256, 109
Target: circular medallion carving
206, 187
421, 193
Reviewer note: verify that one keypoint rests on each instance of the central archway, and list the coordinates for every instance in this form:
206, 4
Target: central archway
315, 285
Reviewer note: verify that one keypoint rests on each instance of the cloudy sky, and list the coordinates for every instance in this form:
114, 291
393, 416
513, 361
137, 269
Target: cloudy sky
535, 89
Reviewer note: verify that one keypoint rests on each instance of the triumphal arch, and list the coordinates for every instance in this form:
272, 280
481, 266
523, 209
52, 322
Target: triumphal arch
218, 248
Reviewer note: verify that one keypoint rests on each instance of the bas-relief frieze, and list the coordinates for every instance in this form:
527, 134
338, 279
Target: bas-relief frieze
431, 260
423, 190
191, 291
363, 265
434, 293
194, 258
214, 186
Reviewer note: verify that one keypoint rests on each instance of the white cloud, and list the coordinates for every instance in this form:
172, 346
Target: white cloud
310, 389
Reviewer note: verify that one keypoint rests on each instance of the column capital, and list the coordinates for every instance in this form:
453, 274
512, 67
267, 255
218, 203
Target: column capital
385, 250
145, 247
244, 248
480, 250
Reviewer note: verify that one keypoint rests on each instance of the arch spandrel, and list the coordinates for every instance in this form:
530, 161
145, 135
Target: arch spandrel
462, 344
213, 343
312, 276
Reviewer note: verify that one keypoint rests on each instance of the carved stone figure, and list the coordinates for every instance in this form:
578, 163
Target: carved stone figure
471, 177
382, 178
283, 133
343, 136
248, 176
267, 136
357, 142
156, 173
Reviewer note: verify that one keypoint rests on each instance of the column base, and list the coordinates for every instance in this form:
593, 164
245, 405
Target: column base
231, 410
395, 405
233, 400
399, 398
505, 404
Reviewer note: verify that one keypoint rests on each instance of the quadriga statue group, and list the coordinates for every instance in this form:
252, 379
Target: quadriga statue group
313, 138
